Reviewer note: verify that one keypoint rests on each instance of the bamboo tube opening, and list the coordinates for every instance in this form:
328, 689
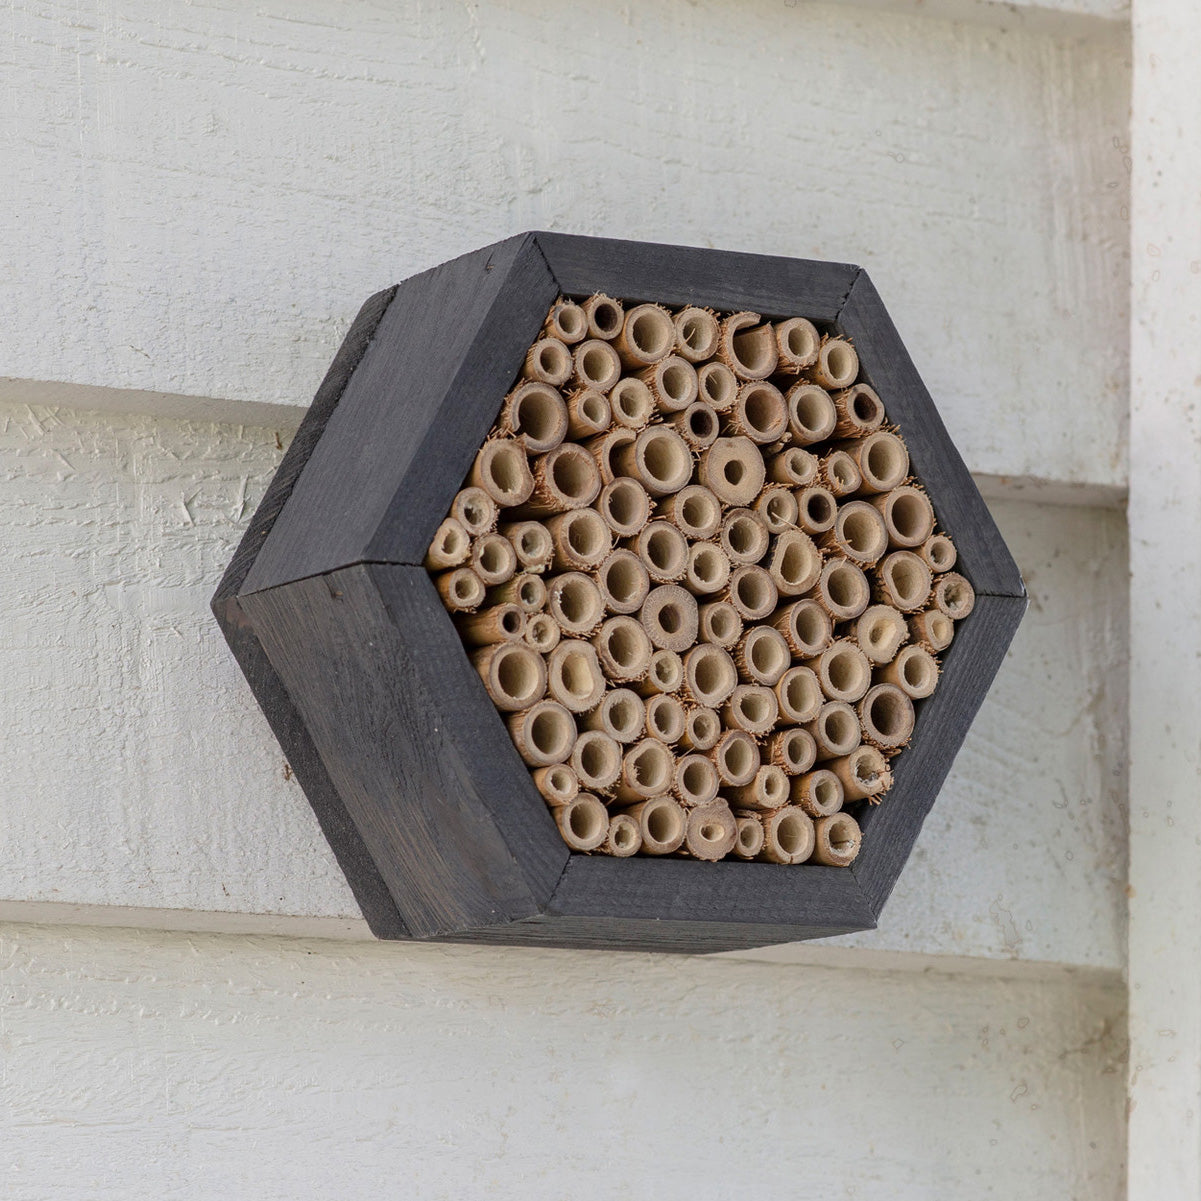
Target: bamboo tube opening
666, 673
500, 623
717, 385
709, 674
623, 582
502, 471
514, 675
625, 839
836, 730
932, 629
605, 316
697, 334
660, 460
837, 364
711, 832
665, 718
905, 580
581, 539
708, 569
794, 750
752, 708
623, 648
837, 840
759, 412
583, 822
461, 590
817, 510
536, 416
744, 536
567, 477
778, 508
914, 671
588, 413
621, 714
669, 616
673, 382
662, 823
647, 336
695, 510
841, 473
548, 362
860, 411
954, 596
450, 546
475, 510
796, 564
734, 470
698, 425
794, 466
752, 592
575, 603
788, 836
596, 365
494, 559
939, 553
763, 655
542, 633
798, 342
806, 627
859, 532
720, 624
886, 715
908, 516
799, 695
663, 551
526, 591
748, 348
736, 758
632, 403
702, 728
883, 461
843, 590
863, 773
880, 631
767, 789
811, 413
624, 506
646, 769
567, 322
596, 758
819, 793
557, 783
749, 840
531, 543
543, 734
844, 671
573, 676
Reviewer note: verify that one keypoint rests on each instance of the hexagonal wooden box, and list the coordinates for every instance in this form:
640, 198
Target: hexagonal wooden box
363, 677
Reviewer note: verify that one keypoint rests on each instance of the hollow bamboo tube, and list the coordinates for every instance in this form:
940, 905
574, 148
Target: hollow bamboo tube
623, 582
719, 623
777, 507
695, 781
542, 633
792, 749
843, 671
914, 671
954, 596
837, 364
806, 627
574, 601
858, 533
796, 563
903, 581
886, 717
710, 832
646, 771
647, 335
860, 412
531, 543
588, 413
663, 551
475, 509
501, 469
662, 824
788, 836
697, 425
908, 516
817, 510
581, 539
596, 759
736, 757
716, 385
733, 469
749, 840
665, 718
631, 403
768, 789
624, 506
882, 459
449, 547
564, 478
672, 382
514, 676
697, 334
938, 552
762, 656
624, 838
837, 840
709, 675
526, 591
595, 365
605, 316
799, 696
744, 536
702, 729
842, 589
500, 623
666, 674
573, 675
798, 342
863, 773
758, 413
566, 321
493, 559
748, 348
812, 416
621, 714
880, 632
583, 822
557, 783
543, 734
840, 474
835, 730
548, 361
659, 460
751, 707
694, 510
623, 649
932, 629
752, 592
461, 590
793, 466
818, 792
669, 616
708, 569
604, 450
536, 416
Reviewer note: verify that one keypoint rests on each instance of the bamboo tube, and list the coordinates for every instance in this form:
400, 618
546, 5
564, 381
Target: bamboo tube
697, 334
840, 474
542, 633
799, 696
669, 616
665, 718
557, 783
748, 348
500, 468
908, 516
663, 551
624, 838
526, 591
932, 630
573, 675
793, 749
596, 758
842, 589
819, 792
752, 592
500, 623
914, 671
886, 717
450, 546
837, 364
788, 836
564, 478
631, 403
581, 539
604, 450
758, 413
749, 840
702, 729
716, 385
574, 601
595, 365
762, 656
954, 596
843, 671
733, 469
835, 730
548, 361
796, 563
736, 757
768, 789
531, 543
694, 510
811, 413
514, 676
536, 416
798, 342
623, 649
672, 382
863, 773
566, 321
475, 510
806, 627
493, 559
708, 569
588, 413
709, 675
880, 632
817, 510
858, 533
662, 824
624, 506
461, 590
903, 581
751, 707
623, 582
659, 459
583, 822
697, 425
666, 674
720, 624
777, 507
646, 771
837, 840
938, 553
621, 714
710, 832
744, 536
543, 734
604, 315
860, 412
882, 460
647, 335
793, 466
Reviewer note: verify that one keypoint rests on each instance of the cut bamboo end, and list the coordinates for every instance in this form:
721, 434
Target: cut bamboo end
666, 674
702, 729
881, 631
904, 581
837, 840
536, 416
939, 553
526, 591
749, 841
575, 602
663, 551
778, 509
914, 671
501, 469
840, 474
548, 361
793, 750
882, 459
697, 425
646, 771
843, 671
886, 717
605, 316
624, 506
908, 516
837, 364
768, 789
717, 386
624, 838
661, 822
794, 467
449, 547
531, 543
819, 793
596, 760
932, 629
954, 596
581, 539
475, 510
835, 730
752, 708
843, 590
733, 469
623, 649
647, 335
566, 321
631, 403
672, 382
595, 365
557, 783
574, 677
564, 478
542, 633
736, 758
752, 592
744, 536
659, 459
817, 510
493, 559
665, 718
697, 334
806, 627
461, 590
811, 413
514, 676
799, 696
669, 616
621, 714
695, 782
588, 413
798, 343
583, 822
796, 563
860, 412
711, 832
719, 623
500, 623
543, 734
623, 582
863, 774
788, 836
762, 656
858, 533
708, 569
758, 413
748, 348
694, 510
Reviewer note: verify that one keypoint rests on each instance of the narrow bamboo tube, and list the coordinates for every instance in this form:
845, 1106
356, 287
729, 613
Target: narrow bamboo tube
663, 551
860, 412
623, 582
631, 403
583, 822
843, 671
796, 563
792, 749
662, 824
840, 474
818, 792
659, 459
666, 674
733, 469
665, 718
788, 836
557, 783
719, 623
837, 364
697, 425
938, 552
736, 757
908, 516
449, 547
573, 675
493, 559
588, 413
548, 361
747, 347
751, 707
596, 758
672, 382
777, 506
817, 510
709, 675
500, 623
531, 542
542, 633
886, 717
543, 734
574, 601
744, 536
758, 413
501, 469
880, 632
624, 505
767, 789
461, 590
526, 591
694, 510
811, 413
566, 321
795, 467
798, 342
624, 838
711, 832
702, 729
842, 589
882, 459
695, 781
799, 696
514, 676
475, 510
749, 841
605, 316
604, 449
932, 629
863, 773
752, 592
669, 616
914, 671
623, 649
835, 730
716, 385
564, 478
806, 627
646, 771
954, 596
581, 539
762, 656
708, 569
647, 335
536, 416
621, 714
903, 581
595, 364
858, 533
697, 334
837, 840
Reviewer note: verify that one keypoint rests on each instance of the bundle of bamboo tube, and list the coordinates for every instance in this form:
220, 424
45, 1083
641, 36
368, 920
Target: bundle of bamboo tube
700, 583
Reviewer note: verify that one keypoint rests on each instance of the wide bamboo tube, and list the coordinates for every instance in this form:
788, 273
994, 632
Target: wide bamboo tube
669, 616
621, 714
736, 757
788, 836
843, 671
461, 590
708, 569
548, 361
542, 633
594, 364
914, 671
798, 343
793, 467
811, 413
908, 516
573, 675
886, 717
646, 771
624, 838
837, 840
672, 382
858, 533
839, 473
697, 334
605, 316
762, 656
932, 629
566, 321
588, 413
777, 506
647, 335
954, 596
501, 469
882, 459
842, 589
938, 552
799, 696
526, 591
744, 536
806, 627
564, 478
583, 822
863, 773
880, 631
663, 551
768, 789
792, 749
837, 364
665, 718
658, 458
817, 510
536, 416
514, 676
819, 792
596, 758
710, 832
662, 824
493, 559
500, 623
733, 469
903, 581
557, 783
860, 412
717, 386
631, 403
702, 728
475, 510
835, 730
623, 649
719, 623
623, 582
695, 781
749, 841
796, 563
624, 506
697, 425
531, 543
449, 547
709, 675
752, 592
694, 510
751, 707
543, 734
758, 413
581, 539
747, 347
574, 601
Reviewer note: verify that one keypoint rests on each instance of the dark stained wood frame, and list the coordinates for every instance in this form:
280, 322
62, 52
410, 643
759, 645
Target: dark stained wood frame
366, 684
